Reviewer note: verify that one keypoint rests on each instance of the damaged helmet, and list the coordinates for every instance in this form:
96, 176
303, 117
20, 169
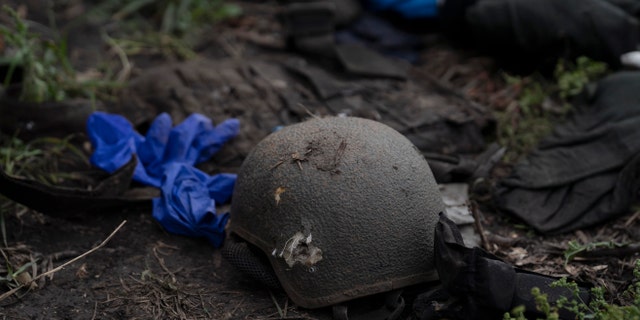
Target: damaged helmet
342, 207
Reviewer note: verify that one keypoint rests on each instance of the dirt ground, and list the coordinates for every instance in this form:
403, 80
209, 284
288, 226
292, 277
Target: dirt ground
144, 272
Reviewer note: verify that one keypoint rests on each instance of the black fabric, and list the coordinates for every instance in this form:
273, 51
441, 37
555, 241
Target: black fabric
474, 276
525, 31
481, 285
588, 170
632, 7
461, 168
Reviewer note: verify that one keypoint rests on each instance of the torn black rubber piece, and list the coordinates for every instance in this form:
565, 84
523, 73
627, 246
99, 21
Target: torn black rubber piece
64, 202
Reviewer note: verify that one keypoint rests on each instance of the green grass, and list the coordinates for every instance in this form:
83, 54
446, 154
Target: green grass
47, 74
177, 17
41, 159
598, 308
170, 28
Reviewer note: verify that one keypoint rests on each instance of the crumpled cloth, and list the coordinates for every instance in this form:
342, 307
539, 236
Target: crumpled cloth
166, 159
588, 170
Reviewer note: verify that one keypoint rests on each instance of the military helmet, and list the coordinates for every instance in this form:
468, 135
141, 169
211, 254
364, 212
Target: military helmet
343, 207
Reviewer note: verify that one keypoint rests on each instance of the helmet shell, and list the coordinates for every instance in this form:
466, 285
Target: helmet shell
343, 207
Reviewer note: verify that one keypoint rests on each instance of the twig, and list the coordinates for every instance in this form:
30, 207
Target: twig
619, 252
273, 298
238, 306
286, 306
476, 221
632, 219
123, 75
62, 266
163, 266
95, 310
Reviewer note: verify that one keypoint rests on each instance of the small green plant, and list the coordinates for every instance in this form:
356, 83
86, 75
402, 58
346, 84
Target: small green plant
40, 60
47, 74
15, 278
597, 308
516, 314
571, 78
524, 123
171, 28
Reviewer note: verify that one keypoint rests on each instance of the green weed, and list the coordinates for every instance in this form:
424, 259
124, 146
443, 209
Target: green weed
12, 278
541, 103
178, 17
571, 78
170, 28
47, 74
597, 308
523, 123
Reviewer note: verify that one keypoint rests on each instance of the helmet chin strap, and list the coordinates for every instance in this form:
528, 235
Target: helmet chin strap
391, 309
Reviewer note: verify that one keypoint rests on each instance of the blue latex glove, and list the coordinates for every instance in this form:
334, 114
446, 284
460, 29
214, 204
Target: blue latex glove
114, 141
166, 157
410, 9
193, 141
187, 205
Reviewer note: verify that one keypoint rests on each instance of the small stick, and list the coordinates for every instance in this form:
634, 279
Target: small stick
479, 227
95, 310
273, 298
632, 219
164, 267
62, 266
